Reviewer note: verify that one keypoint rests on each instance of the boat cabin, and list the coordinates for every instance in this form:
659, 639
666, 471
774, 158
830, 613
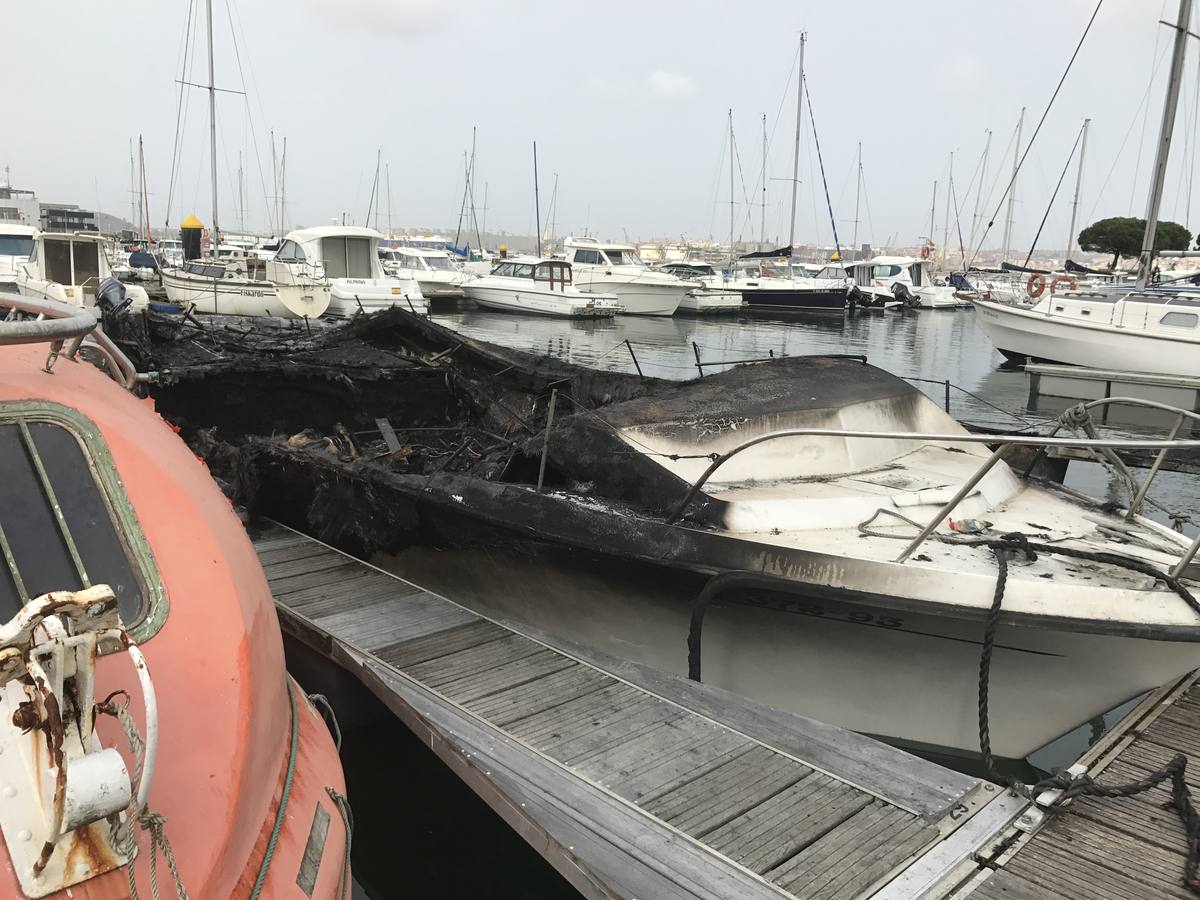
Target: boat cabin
550, 272
884, 271
76, 260
589, 252
343, 251
416, 258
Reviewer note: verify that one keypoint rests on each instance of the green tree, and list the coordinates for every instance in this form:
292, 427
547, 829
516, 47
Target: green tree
1122, 236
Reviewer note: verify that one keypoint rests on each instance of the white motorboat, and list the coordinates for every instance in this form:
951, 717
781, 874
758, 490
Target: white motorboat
711, 296
16, 243
347, 257
771, 283
433, 270
1135, 332
74, 268
617, 269
539, 286
903, 278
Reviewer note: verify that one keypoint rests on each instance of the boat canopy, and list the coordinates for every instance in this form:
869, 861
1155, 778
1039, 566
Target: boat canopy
768, 254
1072, 266
1013, 267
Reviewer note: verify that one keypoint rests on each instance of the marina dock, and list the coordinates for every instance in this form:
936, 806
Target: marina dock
629, 781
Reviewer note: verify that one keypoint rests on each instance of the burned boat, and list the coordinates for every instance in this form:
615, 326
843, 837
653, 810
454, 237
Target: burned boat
875, 529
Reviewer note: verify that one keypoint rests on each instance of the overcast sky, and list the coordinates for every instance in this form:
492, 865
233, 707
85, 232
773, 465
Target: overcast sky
627, 102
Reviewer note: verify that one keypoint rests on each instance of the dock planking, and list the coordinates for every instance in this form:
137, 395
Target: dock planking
631, 782
1111, 847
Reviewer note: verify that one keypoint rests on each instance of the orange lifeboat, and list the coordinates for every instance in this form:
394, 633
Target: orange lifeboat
115, 538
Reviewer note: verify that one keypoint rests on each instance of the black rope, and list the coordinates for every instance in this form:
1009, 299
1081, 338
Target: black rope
1069, 784
1053, 197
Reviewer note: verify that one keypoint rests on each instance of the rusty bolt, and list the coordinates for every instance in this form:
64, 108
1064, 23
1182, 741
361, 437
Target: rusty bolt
26, 717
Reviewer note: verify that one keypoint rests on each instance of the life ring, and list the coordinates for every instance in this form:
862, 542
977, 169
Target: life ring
1068, 280
925, 252
1035, 285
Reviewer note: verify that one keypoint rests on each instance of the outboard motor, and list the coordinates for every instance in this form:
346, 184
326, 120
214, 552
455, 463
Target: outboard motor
855, 298
111, 295
903, 294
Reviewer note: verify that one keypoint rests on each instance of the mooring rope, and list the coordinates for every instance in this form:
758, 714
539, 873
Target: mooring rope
1069, 784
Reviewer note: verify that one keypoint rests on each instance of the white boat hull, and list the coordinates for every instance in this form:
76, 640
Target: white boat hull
907, 678
705, 302
65, 293
540, 303
639, 298
1020, 332
243, 297
348, 296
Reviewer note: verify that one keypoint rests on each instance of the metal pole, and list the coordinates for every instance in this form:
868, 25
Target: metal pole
932, 211
272, 213
796, 151
283, 189
857, 195
1136, 503
387, 169
537, 210
1078, 185
699, 364
212, 132
1186, 558
1164, 142
946, 218
762, 224
636, 365
731, 250
987, 145
1012, 188
546, 438
963, 491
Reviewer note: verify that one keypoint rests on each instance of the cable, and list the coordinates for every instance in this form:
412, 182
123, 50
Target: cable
1041, 121
1053, 196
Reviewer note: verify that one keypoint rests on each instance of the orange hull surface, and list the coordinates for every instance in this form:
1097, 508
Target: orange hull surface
217, 663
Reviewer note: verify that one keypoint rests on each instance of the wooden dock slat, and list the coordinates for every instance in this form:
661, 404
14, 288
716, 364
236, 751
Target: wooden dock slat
313, 562
521, 702
527, 670
1004, 885
415, 651
772, 832
606, 734
561, 718
729, 790
482, 657
290, 551
337, 577
324, 600
853, 856
641, 777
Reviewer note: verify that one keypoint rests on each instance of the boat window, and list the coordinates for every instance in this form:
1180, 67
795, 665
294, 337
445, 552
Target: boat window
290, 252
87, 263
832, 272
65, 519
914, 273
522, 271
1179, 320
559, 272
504, 269
15, 245
347, 257
439, 263
886, 271
624, 258
33, 254
590, 257
58, 261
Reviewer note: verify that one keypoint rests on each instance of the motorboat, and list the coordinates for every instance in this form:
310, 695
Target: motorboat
245, 285
538, 286
73, 267
617, 269
142, 652
16, 243
711, 295
1150, 332
768, 283
903, 278
347, 257
434, 271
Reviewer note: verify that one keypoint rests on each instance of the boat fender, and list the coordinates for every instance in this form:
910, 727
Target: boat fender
1068, 280
1035, 285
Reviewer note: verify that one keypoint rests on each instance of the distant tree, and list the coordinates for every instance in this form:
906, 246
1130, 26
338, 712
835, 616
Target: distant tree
1122, 236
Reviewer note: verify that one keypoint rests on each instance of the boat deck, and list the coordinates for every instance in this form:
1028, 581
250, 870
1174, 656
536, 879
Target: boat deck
630, 781
1109, 848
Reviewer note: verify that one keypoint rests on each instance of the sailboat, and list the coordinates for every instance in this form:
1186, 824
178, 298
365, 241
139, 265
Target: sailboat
1142, 330
240, 284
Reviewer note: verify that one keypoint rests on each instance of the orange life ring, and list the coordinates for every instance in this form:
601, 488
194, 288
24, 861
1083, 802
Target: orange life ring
1035, 285
1068, 280
925, 252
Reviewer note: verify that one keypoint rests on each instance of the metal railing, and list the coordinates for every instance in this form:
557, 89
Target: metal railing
66, 328
1004, 445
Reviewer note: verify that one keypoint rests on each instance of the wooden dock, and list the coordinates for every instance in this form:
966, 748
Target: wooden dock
1108, 848
630, 781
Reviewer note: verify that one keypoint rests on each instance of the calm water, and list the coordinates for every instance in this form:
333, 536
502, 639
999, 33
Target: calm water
453, 845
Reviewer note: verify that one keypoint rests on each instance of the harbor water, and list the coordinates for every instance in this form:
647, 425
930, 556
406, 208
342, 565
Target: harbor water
562, 589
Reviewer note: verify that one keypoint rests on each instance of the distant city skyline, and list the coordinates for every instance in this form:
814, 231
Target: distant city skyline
629, 109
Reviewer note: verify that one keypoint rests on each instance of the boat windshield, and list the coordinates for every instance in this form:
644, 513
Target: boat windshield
623, 258
832, 272
441, 263
15, 244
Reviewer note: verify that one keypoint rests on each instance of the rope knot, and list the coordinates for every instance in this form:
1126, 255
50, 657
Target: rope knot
1015, 540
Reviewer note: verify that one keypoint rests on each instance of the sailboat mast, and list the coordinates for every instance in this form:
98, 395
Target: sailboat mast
273, 213
987, 145
387, 171
212, 132
283, 189
762, 221
796, 149
1012, 188
1164, 142
537, 209
932, 211
134, 206
731, 251
857, 196
1078, 185
144, 208
241, 196
946, 218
